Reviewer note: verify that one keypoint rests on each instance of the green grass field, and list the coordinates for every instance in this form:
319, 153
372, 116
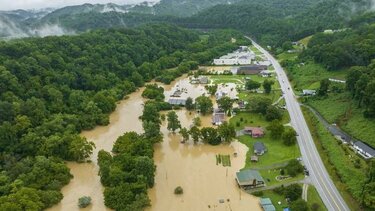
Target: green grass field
277, 151
275, 198
314, 198
308, 76
255, 50
305, 40
270, 176
287, 56
339, 161
219, 79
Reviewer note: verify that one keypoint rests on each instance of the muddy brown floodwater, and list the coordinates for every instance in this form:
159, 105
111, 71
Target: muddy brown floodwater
191, 166
86, 181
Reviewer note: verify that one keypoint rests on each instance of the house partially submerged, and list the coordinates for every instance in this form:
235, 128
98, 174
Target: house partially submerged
177, 101
248, 179
364, 150
251, 69
259, 148
255, 132
218, 117
199, 80
266, 204
220, 94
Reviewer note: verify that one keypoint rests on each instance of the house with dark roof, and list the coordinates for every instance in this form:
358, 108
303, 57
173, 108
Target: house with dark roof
364, 150
255, 132
249, 178
251, 69
259, 148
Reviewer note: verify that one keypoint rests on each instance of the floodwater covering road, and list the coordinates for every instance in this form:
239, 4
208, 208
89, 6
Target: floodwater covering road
318, 174
193, 167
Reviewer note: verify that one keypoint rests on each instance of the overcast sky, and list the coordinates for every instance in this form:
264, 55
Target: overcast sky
37, 4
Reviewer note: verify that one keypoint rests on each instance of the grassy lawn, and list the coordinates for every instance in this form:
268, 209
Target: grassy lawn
277, 152
255, 50
275, 198
339, 161
308, 76
219, 79
287, 56
314, 198
270, 176
274, 95
305, 40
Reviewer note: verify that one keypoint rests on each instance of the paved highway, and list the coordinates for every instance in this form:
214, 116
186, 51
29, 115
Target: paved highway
318, 174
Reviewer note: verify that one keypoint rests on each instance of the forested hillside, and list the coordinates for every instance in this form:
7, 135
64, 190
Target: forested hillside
52, 88
273, 22
354, 49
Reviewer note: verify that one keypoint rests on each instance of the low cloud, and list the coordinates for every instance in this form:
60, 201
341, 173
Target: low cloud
50, 30
38, 4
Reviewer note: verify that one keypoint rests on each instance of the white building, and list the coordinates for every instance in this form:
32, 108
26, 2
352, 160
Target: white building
307, 92
364, 150
242, 56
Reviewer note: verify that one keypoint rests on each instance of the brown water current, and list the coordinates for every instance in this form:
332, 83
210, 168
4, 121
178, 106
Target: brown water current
191, 166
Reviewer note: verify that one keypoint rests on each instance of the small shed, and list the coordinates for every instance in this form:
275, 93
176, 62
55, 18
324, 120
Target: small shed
254, 158
259, 148
249, 178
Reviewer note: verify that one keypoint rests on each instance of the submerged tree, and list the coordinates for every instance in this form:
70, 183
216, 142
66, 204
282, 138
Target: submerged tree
195, 133
204, 104
173, 122
226, 132
185, 134
225, 103
84, 201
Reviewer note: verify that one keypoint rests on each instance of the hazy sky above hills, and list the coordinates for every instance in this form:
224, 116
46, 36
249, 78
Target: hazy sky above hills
37, 4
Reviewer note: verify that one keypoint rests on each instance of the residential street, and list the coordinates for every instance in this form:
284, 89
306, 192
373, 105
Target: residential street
318, 174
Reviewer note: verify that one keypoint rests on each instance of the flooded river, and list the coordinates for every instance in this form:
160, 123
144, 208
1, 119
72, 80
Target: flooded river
193, 167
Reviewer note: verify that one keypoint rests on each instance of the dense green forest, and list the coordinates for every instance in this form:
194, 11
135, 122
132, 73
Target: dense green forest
273, 22
52, 88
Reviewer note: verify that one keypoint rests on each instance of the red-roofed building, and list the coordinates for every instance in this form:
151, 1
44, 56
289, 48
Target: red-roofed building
255, 132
